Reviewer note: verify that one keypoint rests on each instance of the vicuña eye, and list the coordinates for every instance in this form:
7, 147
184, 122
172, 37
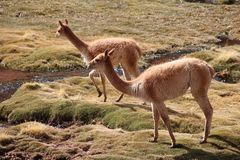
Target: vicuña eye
97, 60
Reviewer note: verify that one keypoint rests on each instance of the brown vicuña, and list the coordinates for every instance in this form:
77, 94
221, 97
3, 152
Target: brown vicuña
163, 82
126, 53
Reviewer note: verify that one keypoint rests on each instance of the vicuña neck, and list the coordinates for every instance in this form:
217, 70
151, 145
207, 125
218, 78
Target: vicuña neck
116, 81
80, 45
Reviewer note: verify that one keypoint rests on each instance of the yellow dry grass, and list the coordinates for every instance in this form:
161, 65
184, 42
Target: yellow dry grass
37, 130
6, 138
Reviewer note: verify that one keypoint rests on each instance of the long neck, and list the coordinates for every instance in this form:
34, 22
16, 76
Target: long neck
116, 81
80, 45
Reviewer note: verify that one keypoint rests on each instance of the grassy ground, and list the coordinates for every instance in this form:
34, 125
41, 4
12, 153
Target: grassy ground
113, 130
99, 142
227, 58
128, 123
28, 27
29, 50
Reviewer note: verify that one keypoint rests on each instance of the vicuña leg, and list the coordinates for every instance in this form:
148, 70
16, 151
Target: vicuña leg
156, 118
208, 113
200, 82
103, 78
162, 109
91, 76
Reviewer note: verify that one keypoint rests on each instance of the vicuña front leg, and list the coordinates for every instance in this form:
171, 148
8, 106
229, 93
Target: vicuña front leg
156, 118
162, 109
104, 86
91, 76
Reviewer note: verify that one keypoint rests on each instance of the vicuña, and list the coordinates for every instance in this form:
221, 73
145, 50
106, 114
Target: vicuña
163, 82
126, 53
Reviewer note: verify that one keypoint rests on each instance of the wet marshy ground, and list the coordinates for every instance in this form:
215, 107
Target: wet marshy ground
11, 80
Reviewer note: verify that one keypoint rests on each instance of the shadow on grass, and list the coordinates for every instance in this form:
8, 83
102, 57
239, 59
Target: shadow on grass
202, 154
133, 106
224, 139
221, 148
148, 108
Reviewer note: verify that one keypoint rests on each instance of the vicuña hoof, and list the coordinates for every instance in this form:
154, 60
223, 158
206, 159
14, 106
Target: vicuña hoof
202, 141
118, 100
153, 140
105, 99
99, 93
173, 145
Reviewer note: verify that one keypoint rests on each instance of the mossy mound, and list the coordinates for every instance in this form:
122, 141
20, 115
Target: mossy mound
227, 58
30, 51
73, 100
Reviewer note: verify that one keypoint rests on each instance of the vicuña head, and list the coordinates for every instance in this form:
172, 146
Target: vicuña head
62, 27
99, 63
163, 82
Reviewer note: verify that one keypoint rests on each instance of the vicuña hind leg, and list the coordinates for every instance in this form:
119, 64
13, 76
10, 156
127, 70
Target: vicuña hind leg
162, 109
208, 112
200, 81
91, 76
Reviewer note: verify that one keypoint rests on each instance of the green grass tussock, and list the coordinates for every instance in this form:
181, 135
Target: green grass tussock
54, 58
187, 125
227, 58
30, 51
128, 120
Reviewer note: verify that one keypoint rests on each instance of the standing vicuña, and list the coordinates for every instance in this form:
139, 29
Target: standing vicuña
162, 82
126, 53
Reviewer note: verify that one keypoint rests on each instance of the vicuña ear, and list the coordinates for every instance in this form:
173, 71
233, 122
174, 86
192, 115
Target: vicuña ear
60, 23
111, 52
106, 53
66, 21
